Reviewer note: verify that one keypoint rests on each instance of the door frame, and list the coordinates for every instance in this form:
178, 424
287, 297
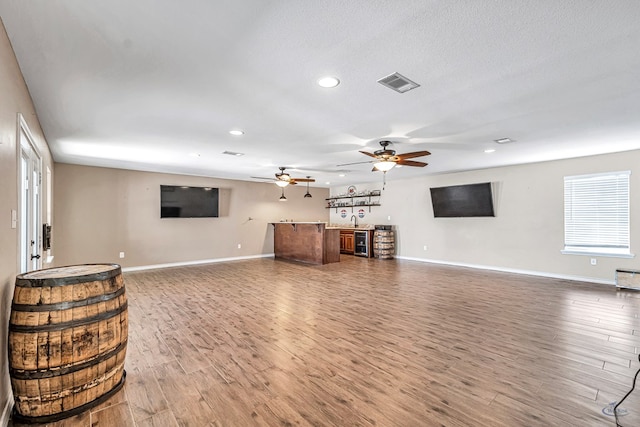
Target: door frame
29, 170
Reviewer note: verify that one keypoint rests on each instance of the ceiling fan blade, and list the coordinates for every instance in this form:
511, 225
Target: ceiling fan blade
414, 154
303, 180
411, 163
262, 177
369, 154
355, 163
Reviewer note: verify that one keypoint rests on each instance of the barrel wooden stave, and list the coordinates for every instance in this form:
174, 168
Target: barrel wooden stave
64, 359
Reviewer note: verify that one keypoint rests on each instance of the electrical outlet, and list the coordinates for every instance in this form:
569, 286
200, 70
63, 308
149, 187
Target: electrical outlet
425, 247
389, 218
121, 254
594, 261
239, 246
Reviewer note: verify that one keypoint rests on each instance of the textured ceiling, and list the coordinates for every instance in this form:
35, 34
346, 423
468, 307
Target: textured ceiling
157, 84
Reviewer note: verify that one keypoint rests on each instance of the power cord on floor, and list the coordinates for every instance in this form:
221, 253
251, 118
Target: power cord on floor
633, 386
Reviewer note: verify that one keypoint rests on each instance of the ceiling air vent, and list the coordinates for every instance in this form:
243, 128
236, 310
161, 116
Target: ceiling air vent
231, 153
398, 82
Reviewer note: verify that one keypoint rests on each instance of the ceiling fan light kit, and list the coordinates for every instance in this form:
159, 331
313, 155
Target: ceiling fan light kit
282, 179
386, 159
384, 165
283, 176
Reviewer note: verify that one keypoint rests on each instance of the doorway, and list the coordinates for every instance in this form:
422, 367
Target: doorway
30, 178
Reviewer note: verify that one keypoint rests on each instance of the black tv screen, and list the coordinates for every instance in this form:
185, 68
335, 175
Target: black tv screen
462, 200
188, 202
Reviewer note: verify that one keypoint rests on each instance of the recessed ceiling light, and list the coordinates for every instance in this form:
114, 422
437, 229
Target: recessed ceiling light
342, 175
490, 150
503, 140
327, 183
236, 132
329, 82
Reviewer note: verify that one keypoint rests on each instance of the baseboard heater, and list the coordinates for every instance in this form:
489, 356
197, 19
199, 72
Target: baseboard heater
628, 279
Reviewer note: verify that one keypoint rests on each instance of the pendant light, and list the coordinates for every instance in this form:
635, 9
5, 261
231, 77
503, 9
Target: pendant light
307, 194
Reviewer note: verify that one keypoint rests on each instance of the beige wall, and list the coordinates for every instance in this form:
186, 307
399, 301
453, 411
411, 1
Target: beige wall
527, 233
101, 212
14, 100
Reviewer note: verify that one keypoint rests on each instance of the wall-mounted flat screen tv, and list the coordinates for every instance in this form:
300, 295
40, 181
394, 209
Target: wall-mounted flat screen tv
188, 202
462, 200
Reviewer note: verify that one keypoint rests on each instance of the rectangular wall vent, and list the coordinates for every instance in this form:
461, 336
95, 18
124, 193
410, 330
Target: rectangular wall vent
398, 82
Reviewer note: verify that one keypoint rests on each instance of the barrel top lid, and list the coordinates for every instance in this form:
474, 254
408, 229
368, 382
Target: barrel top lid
69, 271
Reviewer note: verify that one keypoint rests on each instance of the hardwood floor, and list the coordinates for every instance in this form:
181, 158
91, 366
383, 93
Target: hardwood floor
368, 342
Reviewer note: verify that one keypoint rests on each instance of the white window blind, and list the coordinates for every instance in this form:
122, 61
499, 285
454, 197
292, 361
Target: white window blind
596, 213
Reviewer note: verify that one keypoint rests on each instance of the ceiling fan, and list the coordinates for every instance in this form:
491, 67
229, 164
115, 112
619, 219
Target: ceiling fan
386, 158
282, 178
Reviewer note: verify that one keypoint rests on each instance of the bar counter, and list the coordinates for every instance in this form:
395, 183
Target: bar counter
311, 242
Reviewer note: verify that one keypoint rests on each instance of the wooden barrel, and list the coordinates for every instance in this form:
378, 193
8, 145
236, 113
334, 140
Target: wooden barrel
383, 244
67, 340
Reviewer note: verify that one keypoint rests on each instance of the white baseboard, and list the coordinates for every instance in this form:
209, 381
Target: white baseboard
6, 412
513, 270
198, 262
431, 261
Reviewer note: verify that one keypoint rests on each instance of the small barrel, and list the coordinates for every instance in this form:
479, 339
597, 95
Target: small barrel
383, 244
67, 340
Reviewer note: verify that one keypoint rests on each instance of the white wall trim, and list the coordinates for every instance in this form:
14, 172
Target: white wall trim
513, 270
186, 263
431, 261
6, 412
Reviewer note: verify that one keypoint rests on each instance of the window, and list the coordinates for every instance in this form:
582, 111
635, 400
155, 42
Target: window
596, 214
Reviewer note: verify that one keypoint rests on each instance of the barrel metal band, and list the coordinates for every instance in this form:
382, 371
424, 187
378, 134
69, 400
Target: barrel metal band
70, 324
22, 374
72, 280
68, 304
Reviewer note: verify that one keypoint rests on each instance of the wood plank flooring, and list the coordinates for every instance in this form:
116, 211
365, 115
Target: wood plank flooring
368, 342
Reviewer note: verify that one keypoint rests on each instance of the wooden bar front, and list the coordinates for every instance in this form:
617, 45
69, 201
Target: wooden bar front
310, 242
